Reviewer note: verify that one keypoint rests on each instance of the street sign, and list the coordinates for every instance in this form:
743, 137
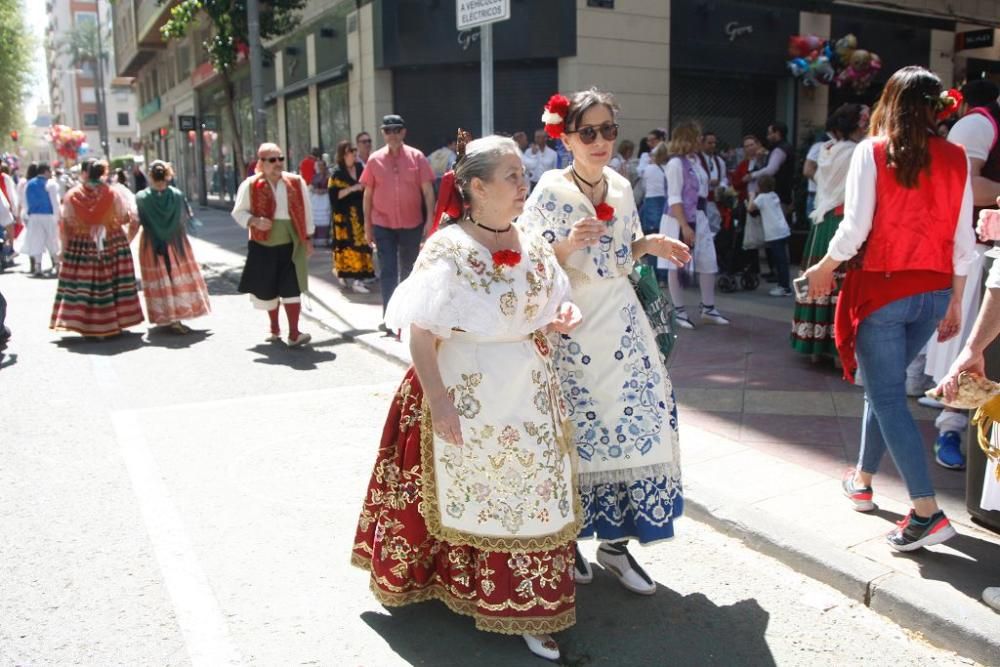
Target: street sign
186, 123
974, 39
472, 13
210, 123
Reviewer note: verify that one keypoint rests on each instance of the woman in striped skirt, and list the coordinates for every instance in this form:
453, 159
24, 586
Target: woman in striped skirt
97, 293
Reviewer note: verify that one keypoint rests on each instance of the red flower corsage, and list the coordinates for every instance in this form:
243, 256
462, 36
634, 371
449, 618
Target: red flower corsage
506, 258
605, 212
554, 117
948, 103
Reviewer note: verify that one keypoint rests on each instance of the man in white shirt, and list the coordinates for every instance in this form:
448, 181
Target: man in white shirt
655, 137
977, 133
809, 171
712, 176
274, 206
539, 158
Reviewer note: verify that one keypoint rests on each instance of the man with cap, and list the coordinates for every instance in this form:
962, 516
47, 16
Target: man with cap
398, 204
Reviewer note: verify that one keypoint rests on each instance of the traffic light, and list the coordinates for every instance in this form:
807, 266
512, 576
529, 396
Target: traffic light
13, 135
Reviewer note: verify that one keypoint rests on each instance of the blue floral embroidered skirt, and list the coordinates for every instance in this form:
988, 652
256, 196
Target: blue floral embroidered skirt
622, 407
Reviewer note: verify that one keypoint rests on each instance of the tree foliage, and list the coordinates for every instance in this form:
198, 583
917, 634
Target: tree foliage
16, 51
229, 38
82, 46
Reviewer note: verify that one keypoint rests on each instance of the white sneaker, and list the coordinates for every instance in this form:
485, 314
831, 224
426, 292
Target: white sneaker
300, 341
582, 572
991, 596
359, 287
272, 338
544, 646
682, 319
779, 291
614, 557
929, 402
711, 315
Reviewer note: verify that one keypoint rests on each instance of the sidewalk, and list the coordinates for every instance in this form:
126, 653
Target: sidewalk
765, 438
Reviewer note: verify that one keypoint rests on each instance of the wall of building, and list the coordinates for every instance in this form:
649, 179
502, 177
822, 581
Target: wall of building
625, 50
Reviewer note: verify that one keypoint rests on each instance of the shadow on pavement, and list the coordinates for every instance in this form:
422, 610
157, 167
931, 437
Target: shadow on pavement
614, 627
969, 571
7, 360
305, 358
222, 282
125, 342
164, 337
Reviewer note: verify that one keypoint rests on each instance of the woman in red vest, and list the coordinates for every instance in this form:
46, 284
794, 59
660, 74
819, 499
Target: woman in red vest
906, 236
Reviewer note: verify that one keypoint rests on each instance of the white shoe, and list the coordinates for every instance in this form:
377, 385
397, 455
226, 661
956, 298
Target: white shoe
544, 646
929, 402
991, 596
300, 341
614, 557
582, 572
682, 319
713, 316
272, 338
779, 291
359, 287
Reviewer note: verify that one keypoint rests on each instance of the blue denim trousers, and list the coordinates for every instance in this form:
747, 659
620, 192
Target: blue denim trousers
397, 252
888, 340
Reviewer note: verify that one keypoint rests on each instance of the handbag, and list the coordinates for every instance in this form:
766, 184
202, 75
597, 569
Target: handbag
657, 307
194, 225
753, 232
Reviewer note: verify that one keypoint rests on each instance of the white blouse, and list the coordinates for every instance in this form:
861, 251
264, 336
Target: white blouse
859, 211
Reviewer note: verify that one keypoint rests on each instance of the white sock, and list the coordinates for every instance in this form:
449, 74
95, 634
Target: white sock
674, 285
951, 421
706, 281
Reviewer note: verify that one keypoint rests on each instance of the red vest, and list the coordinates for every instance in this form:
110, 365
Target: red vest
263, 205
914, 228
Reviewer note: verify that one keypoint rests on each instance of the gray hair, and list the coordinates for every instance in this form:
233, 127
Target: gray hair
482, 157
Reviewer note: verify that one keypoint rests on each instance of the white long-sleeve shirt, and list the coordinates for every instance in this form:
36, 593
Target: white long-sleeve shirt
859, 211
654, 181
775, 159
241, 209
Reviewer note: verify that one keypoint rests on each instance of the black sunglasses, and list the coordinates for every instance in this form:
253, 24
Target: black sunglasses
272, 160
364, 141
588, 133
392, 130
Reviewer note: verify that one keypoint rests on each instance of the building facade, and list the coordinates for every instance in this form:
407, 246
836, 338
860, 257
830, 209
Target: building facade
349, 62
74, 87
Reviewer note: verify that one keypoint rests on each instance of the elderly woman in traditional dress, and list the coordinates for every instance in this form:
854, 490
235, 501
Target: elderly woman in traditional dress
473, 500
171, 280
620, 397
97, 293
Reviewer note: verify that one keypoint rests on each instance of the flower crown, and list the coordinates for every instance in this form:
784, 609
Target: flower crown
946, 103
554, 117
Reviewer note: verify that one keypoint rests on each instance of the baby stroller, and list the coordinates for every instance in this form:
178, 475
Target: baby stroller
737, 267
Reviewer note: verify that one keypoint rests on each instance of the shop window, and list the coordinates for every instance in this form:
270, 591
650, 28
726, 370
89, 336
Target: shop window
334, 116
297, 129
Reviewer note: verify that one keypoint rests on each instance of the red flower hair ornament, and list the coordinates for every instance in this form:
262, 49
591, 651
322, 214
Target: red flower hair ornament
554, 117
948, 103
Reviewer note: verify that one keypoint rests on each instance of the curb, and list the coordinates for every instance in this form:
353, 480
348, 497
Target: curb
944, 616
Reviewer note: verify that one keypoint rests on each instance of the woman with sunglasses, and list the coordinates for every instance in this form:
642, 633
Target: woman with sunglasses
352, 256
620, 398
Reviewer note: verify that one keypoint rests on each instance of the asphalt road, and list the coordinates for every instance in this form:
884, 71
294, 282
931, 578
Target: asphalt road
188, 500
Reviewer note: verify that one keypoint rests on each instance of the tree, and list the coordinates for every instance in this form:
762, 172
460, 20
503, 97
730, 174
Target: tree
16, 54
229, 41
83, 45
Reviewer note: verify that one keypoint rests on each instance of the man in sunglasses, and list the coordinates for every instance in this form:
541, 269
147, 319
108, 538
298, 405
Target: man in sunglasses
539, 158
364, 143
398, 204
274, 206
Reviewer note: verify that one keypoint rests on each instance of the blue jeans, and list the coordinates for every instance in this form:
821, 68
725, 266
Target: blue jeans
397, 251
778, 257
888, 340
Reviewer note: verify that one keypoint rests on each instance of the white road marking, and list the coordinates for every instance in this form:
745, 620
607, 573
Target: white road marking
199, 616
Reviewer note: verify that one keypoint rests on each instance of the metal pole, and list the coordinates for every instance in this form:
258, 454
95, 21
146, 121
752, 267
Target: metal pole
486, 72
256, 74
102, 109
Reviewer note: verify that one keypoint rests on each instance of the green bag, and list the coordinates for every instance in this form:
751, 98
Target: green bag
658, 308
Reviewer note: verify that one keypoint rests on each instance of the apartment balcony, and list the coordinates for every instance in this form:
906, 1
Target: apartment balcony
137, 37
149, 18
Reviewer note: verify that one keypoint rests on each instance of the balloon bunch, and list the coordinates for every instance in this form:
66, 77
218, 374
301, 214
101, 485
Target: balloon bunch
69, 143
817, 61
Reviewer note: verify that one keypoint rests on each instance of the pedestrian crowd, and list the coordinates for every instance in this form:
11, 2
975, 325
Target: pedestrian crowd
533, 280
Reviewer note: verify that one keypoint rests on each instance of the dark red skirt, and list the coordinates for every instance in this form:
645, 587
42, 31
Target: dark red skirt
505, 592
